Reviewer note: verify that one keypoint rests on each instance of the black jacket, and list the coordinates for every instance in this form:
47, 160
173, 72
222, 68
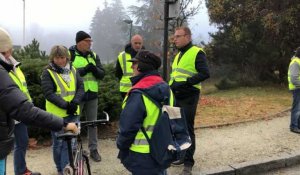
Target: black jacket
49, 88
185, 89
15, 105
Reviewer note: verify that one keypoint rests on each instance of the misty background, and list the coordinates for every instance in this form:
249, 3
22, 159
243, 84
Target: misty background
57, 21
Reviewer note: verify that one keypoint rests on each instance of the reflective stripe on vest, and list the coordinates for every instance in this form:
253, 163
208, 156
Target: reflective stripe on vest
140, 143
291, 85
89, 80
18, 77
185, 68
67, 92
125, 83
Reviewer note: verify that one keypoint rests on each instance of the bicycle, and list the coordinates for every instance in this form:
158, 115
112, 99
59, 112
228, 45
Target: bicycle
79, 160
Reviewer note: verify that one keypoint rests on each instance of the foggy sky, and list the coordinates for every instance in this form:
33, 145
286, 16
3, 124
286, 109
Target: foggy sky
57, 21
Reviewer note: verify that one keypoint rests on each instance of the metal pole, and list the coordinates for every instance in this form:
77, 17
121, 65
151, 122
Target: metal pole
23, 23
165, 49
130, 31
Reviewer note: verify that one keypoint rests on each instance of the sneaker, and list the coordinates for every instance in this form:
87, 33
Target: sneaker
295, 130
28, 172
187, 170
177, 163
95, 156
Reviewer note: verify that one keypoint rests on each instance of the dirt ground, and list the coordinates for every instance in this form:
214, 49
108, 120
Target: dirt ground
216, 146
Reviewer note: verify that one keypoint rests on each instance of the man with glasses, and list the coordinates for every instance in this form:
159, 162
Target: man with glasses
90, 69
189, 69
123, 67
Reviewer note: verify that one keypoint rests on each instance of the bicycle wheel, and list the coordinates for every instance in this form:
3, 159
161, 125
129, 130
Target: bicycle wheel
68, 170
83, 166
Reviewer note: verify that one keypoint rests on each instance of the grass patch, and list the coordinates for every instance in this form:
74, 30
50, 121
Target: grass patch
240, 104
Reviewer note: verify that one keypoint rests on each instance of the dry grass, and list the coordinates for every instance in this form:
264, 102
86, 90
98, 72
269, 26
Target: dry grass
242, 104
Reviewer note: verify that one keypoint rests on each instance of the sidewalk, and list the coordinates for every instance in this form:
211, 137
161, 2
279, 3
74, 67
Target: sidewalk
246, 148
237, 149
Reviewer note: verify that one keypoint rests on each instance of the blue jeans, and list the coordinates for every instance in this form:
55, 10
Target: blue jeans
295, 112
60, 147
21, 143
2, 166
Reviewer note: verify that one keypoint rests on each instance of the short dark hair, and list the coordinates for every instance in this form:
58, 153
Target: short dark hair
185, 29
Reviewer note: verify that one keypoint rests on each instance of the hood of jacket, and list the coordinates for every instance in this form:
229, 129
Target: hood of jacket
152, 84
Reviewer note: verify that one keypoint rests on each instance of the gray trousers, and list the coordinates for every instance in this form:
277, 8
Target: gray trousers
90, 110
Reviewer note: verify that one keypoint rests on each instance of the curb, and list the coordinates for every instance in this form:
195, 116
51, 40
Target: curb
257, 166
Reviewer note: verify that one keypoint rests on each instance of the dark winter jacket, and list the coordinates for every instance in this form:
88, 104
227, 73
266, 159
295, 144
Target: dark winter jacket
49, 87
15, 105
186, 89
98, 75
133, 115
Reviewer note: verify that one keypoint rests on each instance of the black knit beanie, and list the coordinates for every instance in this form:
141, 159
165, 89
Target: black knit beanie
81, 35
147, 61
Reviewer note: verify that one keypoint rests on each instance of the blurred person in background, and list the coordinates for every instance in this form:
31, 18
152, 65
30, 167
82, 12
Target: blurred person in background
123, 68
294, 87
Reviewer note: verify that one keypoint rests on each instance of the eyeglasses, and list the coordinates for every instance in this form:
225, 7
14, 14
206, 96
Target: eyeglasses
178, 36
88, 40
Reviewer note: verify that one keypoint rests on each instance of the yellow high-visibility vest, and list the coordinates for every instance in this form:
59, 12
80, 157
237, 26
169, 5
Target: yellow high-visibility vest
89, 80
291, 85
140, 143
18, 77
125, 83
65, 91
185, 68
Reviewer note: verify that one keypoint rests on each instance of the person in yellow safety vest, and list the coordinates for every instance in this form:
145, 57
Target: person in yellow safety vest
15, 105
294, 87
123, 67
63, 89
189, 69
139, 110
90, 69
20, 131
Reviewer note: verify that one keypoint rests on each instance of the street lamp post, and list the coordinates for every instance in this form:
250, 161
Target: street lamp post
23, 23
129, 21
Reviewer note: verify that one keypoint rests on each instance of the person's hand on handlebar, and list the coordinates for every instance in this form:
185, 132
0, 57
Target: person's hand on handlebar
71, 127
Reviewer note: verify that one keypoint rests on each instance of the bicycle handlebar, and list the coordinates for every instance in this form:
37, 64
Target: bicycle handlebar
69, 134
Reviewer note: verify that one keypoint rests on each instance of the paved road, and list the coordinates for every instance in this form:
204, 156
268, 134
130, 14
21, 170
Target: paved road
216, 147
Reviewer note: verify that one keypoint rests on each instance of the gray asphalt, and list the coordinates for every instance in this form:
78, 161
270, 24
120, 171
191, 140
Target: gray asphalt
244, 148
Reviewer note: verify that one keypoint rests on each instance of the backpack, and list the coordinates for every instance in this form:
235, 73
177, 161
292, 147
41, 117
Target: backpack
170, 138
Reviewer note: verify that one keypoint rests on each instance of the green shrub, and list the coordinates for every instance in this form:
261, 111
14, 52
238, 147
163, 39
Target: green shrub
32, 69
110, 99
226, 83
